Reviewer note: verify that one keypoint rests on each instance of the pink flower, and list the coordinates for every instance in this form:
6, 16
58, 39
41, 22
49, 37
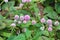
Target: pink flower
28, 0
21, 18
24, 21
56, 23
5, 0
49, 28
49, 22
33, 22
27, 17
16, 17
23, 1
42, 20
21, 5
13, 25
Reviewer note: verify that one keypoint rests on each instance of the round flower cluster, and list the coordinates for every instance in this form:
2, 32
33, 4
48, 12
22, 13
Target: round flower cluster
26, 1
24, 19
49, 23
20, 19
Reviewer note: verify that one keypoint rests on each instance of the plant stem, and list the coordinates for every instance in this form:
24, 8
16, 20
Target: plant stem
1, 3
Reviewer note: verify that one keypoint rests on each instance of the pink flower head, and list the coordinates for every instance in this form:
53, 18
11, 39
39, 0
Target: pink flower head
24, 21
16, 17
13, 25
49, 28
33, 22
21, 5
28, 0
5, 0
21, 18
27, 17
23, 1
56, 23
42, 20
49, 22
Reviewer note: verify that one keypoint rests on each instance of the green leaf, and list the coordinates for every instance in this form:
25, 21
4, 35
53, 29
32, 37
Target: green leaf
58, 34
11, 38
20, 37
2, 25
45, 32
50, 12
58, 27
11, 3
28, 33
1, 38
37, 35
48, 9
38, 25
57, 7
6, 34
58, 18
1, 17
26, 25
52, 15
7, 6
45, 38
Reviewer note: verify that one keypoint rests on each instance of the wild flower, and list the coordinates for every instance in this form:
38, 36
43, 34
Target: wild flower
21, 18
56, 23
13, 25
16, 17
26, 17
33, 22
42, 20
49, 28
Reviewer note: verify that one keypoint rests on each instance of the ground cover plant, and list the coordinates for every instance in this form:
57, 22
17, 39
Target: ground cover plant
29, 19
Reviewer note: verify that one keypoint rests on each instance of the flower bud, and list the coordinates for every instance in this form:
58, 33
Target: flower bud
15, 20
21, 18
21, 5
33, 22
6, 1
49, 22
27, 17
49, 28
42, 20
56, 23
19, 22
13, 25
16, 17
24, 30
50, 25
42, 28
23, 1
18, 32
24, 21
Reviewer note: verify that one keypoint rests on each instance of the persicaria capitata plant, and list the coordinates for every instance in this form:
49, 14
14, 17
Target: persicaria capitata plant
29, 19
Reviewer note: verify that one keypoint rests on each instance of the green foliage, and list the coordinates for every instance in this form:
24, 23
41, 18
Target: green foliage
36, 9
57, 7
